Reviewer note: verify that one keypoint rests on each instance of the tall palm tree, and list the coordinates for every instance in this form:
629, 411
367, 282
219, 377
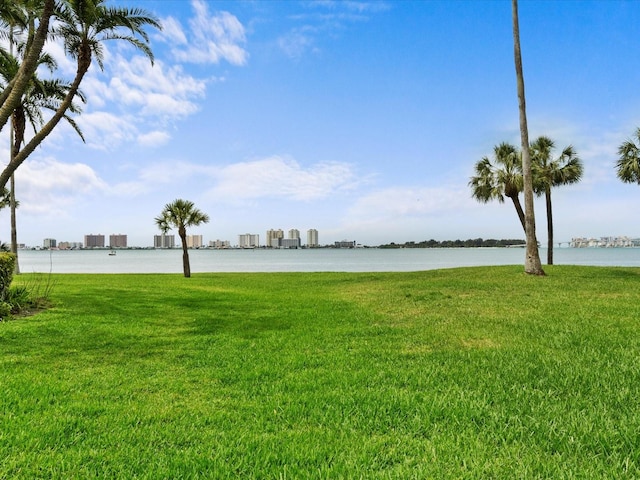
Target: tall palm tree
40, 95
532, 264
181, 214
83, 26
500, 179
10, 11
549, 173
628, 165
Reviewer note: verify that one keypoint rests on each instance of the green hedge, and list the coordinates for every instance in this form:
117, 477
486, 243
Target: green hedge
7, 265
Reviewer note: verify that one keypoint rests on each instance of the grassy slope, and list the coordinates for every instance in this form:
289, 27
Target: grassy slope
463, 373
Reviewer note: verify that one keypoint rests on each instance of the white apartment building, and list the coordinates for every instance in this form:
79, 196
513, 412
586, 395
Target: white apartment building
274, 237
312, 238
194, 241
219, 244
164, 241
294, 233
249, 240
49, 243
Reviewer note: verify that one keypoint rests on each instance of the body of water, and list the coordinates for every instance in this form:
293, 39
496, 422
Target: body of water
307, 260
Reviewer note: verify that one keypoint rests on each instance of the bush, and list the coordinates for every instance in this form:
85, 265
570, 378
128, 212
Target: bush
5, 310
19, 298
7, 266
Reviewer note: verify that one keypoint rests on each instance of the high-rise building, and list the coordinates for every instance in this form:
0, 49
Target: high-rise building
49, 243
194, 241
273, 238
248, 240
164, 241
94, 241
312, 238
294, 233
117, 241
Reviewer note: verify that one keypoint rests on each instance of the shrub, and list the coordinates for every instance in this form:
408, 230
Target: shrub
5, 310
7, 266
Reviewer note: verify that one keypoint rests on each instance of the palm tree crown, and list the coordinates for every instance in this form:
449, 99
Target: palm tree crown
500, 179
628, 165
549, 173
181, 214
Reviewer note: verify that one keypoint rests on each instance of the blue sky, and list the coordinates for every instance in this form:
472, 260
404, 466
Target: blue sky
362, 120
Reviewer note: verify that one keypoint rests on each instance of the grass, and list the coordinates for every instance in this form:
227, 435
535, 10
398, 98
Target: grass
463, 373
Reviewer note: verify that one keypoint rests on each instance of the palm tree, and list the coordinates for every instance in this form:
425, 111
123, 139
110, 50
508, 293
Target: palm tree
532, 264
83, 26
503, 178
628, 165
9, 12
181, 214
40, 95
548, 173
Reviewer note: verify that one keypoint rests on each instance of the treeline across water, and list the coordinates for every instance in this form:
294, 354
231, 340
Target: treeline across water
471, 243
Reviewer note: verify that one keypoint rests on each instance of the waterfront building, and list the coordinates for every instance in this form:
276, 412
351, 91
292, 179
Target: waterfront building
604, 242
248, 240
49, 243
290, 243
164, 241
294, 233
69, 245
219, 244
194, 241
312, 238
345, 244
274, 237
117, 241
94, 241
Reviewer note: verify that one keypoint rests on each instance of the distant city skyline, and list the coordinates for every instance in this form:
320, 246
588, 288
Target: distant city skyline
275, 239
362, 119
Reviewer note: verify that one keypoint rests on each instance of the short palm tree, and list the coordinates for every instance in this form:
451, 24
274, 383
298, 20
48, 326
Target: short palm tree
628, 165
83, 26
549, 173
500, 179
181, 214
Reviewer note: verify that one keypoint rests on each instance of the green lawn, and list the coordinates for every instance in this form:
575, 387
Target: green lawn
462, 373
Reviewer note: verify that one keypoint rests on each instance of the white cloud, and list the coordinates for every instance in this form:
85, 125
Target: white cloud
137, 82
276, 177
138, 101
104, 130
172, 31
47, 186
212, 37
153, 139
413, 201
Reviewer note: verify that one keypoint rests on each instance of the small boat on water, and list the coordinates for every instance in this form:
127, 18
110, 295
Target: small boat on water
112, 253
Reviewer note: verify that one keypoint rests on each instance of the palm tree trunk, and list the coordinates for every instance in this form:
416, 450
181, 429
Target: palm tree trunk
186, 268
532, 264
84, 61
516, 204
12, 94
547, 195
14, 229
18, 125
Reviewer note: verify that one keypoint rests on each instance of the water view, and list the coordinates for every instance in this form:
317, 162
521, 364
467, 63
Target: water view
306, 260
